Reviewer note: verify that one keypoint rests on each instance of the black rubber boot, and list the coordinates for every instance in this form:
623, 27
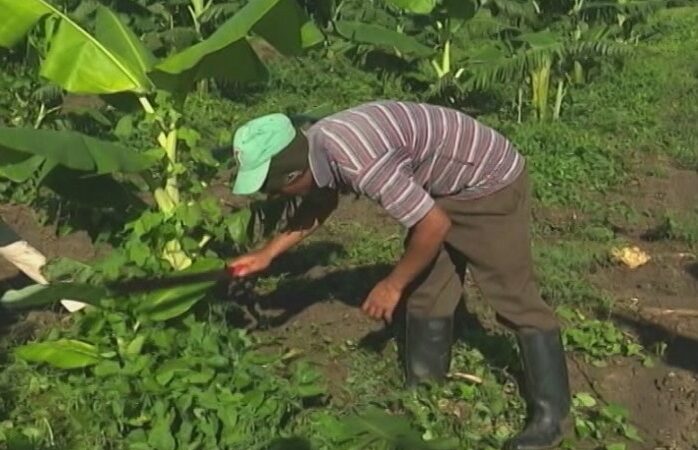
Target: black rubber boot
547, 390
427, 349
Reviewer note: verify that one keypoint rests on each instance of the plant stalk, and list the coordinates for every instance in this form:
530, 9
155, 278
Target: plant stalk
558, 99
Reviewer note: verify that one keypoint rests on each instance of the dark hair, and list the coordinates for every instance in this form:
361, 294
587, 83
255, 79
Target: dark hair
293, 158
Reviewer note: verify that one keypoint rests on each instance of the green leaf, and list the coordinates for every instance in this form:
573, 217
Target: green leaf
76, 60
160, 437
382, 37
415, 6
378, 426
615, 446
135, 346
114, 34
167, 371
585, 399
165, 304
124, 127
238, 224
169, 303
282, 26
212, 57
22, 170
24, 14
107, 368
73, 150
63, 353
48, 294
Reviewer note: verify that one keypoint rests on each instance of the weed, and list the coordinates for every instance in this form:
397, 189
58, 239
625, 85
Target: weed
598, 339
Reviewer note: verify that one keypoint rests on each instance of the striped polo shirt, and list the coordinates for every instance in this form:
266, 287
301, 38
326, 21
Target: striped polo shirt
403, 155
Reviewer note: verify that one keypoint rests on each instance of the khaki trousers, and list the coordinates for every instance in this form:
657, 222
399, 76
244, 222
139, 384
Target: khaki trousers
491, 235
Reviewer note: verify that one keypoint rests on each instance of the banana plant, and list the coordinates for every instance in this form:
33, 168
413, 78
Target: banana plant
113, 60
444, 17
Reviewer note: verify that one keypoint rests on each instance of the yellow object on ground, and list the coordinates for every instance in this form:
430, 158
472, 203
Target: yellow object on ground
631, 257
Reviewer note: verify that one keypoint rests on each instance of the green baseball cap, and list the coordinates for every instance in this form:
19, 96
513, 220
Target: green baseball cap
255, 143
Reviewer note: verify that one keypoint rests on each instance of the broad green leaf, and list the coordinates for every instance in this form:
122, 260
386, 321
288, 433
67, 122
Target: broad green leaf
22, 170
311, 35
114, 34
238, 224
24, 14
107, 368
284, 25
382, 37
63, 353
377, 425
585, 399
165, 304
415, 6
48, 294
173, 302
76, 60
165, 372
74, 150
231, 32
160, 436
135, 346
227, 55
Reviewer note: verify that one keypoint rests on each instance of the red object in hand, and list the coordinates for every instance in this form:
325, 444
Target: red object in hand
235, 271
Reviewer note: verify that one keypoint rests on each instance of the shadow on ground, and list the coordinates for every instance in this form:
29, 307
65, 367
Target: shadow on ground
312, 275
681, 351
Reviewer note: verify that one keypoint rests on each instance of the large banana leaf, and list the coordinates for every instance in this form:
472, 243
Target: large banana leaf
19, 167
227, 55
168, 303
63, 353
70, 149
77, 61
48, 294
382, 37
119, 38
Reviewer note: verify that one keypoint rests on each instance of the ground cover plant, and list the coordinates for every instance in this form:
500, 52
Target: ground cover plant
600, 97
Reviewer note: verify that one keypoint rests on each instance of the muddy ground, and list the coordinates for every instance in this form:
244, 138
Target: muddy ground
657, 303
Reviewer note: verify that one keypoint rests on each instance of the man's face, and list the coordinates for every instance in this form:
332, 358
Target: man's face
298, 184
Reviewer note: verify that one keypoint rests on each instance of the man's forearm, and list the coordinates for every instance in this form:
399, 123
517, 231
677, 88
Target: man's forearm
287, 239
424, 244
312, 213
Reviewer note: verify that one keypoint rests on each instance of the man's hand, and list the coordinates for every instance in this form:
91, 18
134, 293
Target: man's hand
382, 300
250, 263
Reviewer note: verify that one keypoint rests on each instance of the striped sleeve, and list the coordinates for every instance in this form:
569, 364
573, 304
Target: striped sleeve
387, 182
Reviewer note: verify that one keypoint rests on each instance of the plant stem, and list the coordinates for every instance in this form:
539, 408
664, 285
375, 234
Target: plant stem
540, 84
558, 99
519, 106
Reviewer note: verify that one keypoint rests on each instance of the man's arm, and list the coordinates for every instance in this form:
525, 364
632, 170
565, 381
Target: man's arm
310, 215
425, 241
